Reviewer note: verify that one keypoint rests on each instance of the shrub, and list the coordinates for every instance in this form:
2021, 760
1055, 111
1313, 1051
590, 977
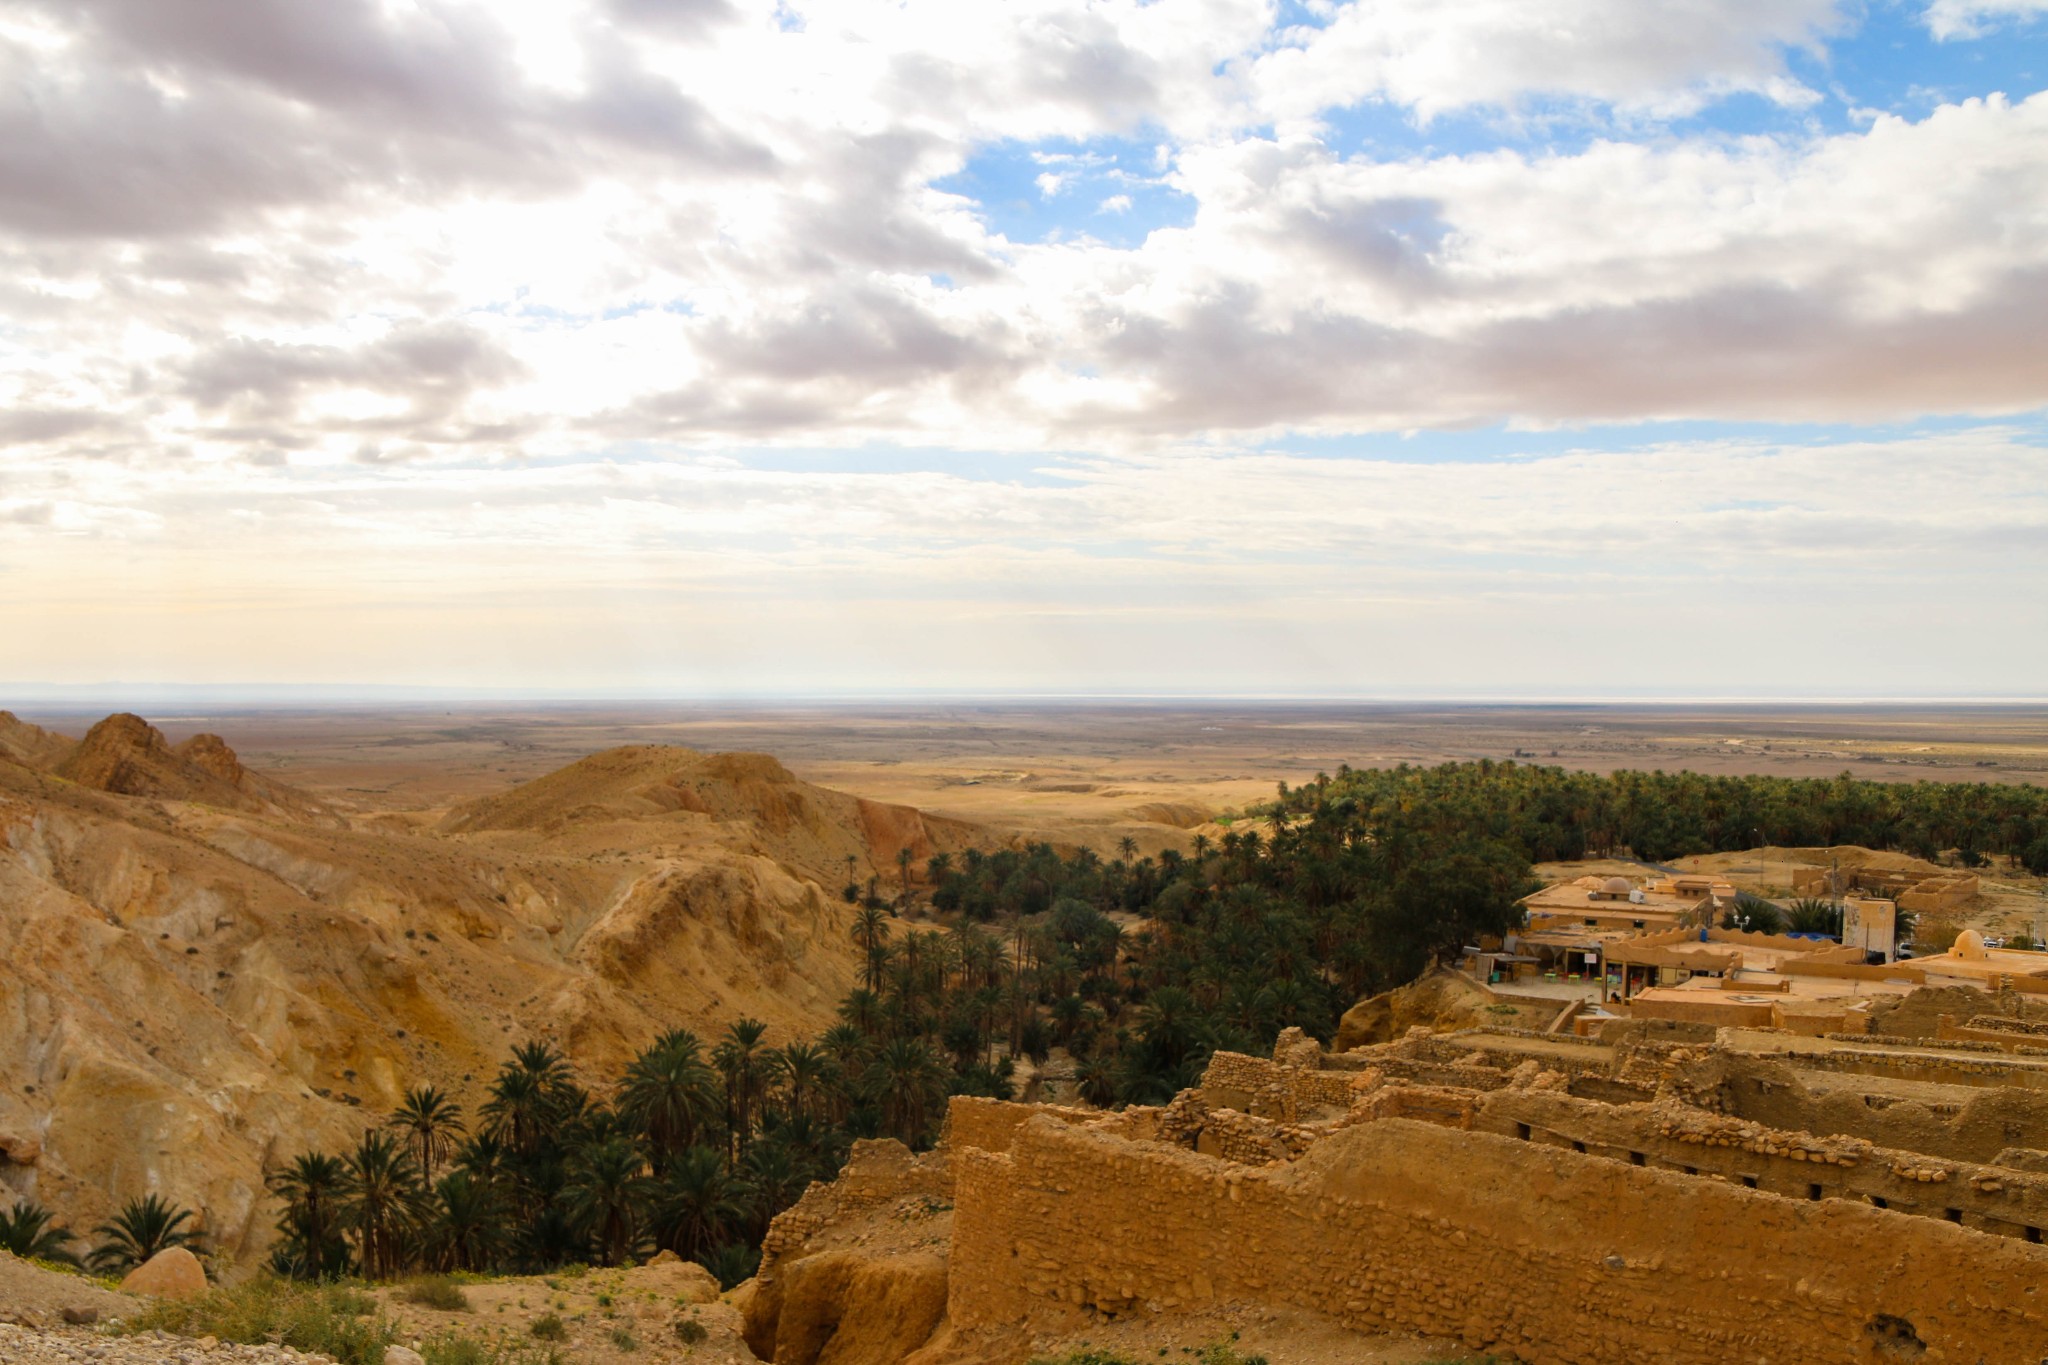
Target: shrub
454, 1348
624, 1339
1225, 1353
326, 1319
690, 1332
437, 1292
548, 1327
1085, 1355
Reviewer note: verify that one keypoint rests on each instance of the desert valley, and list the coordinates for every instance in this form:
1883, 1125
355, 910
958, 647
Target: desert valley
1023, 682
222, 958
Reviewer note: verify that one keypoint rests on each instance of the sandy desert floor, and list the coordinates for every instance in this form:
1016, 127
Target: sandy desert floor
1053, 767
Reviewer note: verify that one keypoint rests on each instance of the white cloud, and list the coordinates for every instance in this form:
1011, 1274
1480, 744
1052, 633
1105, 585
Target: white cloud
1310, 574
1433, 57
1948, 19
417, 298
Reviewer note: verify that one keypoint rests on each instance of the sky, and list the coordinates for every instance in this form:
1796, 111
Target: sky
1375, 348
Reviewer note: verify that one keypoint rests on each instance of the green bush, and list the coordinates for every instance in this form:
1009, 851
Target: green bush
436, 1292
548, 1327
331, 1320
690, 1332
624, 1339
1085, 1355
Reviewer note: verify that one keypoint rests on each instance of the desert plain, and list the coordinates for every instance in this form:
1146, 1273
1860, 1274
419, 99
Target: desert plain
1071, 768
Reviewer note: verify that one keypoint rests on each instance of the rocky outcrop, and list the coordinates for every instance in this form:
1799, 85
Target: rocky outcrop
126, 755
173, 1273
855, 1272
1441, 1000
851, 1308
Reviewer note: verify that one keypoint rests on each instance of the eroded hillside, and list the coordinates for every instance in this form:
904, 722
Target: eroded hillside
203, 970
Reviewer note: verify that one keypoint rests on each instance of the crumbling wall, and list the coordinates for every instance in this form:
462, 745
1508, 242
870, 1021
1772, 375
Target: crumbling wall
1797, 1165
1961, 1125
1551, 1256
973, 1121
1275, 1090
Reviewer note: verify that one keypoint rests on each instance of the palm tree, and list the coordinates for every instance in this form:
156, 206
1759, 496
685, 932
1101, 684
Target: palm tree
1096, 1079
527, 1096
870, 933
698, 1205
144, 1227
432, 1123
776, 1177
911, 1080
605, 1193
1128, 847
483, 1156
383, 1204
669, 1095
26, 1231
861, 1011
739, 1059
312, 1188
803, 1067
465, 1227
903, 858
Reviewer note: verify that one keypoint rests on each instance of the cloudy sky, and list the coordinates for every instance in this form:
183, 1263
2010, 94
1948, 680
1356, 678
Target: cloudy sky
1326, 347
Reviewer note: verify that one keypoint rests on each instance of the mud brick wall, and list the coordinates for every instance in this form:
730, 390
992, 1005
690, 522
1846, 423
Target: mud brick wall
1798, 1165
1274, 1090
1551, 1256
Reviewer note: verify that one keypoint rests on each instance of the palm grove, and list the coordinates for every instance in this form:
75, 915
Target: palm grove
1137, 967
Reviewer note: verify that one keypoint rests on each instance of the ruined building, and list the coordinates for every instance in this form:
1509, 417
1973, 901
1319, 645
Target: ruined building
1665, 1192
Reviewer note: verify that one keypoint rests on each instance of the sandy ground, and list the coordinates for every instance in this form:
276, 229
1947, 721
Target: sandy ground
606, 1317
1060, 768
1282, 1336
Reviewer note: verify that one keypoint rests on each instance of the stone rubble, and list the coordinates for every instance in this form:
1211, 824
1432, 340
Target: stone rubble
88, 1346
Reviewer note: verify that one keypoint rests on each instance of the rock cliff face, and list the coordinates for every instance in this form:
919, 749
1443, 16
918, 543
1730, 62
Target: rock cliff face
203, 972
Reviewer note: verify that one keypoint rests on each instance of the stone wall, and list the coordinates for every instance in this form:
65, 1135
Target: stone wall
1797, 1165
1551, 1256
972, 1121
1275, 1090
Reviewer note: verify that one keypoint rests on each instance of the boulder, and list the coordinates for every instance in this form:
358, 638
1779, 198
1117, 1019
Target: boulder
173, 1273
403, 1355
675, 1278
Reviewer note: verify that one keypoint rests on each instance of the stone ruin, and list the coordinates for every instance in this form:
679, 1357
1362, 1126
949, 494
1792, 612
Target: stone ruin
1660, 1195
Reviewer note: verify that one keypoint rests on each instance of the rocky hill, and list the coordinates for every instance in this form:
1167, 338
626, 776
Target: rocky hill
204, 971
32, 745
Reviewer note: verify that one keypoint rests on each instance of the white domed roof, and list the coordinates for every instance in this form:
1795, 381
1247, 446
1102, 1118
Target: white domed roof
1970, 944
1618, 886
